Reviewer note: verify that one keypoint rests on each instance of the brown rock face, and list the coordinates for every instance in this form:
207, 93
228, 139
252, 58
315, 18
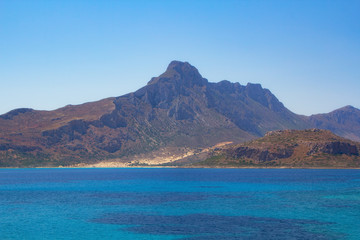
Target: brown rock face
290, 148
334, 148
259, 155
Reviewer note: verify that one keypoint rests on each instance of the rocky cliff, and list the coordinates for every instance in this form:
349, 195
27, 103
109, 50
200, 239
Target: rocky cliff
290, 148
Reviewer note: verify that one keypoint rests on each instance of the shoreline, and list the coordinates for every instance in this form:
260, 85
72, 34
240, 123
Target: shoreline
178, 167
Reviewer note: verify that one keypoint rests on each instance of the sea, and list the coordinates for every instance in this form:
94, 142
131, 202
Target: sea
178, 203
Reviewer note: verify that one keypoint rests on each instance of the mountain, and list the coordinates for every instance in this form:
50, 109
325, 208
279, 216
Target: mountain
176, 111
289, 148
343, 122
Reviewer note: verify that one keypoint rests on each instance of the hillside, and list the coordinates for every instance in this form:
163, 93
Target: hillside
344, 122
175, 113
289, 148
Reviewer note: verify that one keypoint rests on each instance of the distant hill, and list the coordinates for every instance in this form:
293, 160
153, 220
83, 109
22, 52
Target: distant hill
289, 148
177, 110
343, 122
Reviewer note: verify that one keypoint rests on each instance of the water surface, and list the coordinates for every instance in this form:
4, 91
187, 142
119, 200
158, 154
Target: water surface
179, 204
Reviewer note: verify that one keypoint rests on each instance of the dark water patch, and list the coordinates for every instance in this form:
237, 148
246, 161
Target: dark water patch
337, 206
204, 226
211, 186
341, 204
231, 196
146, 198
133, 198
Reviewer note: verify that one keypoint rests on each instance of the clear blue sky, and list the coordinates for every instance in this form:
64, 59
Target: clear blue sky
54, 53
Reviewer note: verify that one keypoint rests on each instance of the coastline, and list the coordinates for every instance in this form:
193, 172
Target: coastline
172, 167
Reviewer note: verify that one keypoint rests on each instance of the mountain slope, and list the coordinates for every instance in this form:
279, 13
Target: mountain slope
290, 148
343, 122
178, 109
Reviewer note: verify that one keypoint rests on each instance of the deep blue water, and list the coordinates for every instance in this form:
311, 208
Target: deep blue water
179, 204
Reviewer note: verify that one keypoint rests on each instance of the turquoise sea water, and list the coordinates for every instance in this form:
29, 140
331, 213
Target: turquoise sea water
179, 204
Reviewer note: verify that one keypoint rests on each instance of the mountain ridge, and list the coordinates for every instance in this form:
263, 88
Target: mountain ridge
179, 108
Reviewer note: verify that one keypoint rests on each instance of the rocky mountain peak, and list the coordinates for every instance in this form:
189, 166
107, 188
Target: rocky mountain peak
182, 73
264, 97
348, 108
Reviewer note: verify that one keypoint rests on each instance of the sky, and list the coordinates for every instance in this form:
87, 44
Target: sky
55, 53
